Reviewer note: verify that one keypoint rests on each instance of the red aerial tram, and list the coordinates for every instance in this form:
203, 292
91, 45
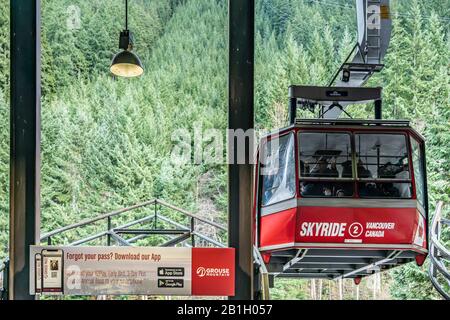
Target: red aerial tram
340, 198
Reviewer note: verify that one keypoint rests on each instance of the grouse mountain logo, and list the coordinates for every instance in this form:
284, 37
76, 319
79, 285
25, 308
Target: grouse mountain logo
213, 272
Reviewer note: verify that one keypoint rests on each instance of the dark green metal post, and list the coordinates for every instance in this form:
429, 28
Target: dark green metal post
241, 116
192, 231
25, 142
292, 110
378, 110
108, 236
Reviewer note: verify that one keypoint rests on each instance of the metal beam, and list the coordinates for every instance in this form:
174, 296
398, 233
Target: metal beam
326, 266
392, 256
174, 241
208, 239
241, 116
298, 257
340, 260
90, 238
150, 231
279, 260
121, 241
308, 275
336, 253
285, 253
25, 141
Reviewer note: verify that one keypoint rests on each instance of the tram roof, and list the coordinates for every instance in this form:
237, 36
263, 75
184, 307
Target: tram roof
380, 125
356, 122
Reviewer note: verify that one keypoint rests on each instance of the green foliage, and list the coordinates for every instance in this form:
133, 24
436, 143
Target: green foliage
4, 176
73, 51
4, 46
289, 289
412, 282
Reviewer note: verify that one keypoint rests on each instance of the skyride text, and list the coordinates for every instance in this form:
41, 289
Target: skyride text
334, 229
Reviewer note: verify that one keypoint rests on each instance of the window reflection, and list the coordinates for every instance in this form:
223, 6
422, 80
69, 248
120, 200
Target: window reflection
419, 176
326, 157
278, 170
383, 157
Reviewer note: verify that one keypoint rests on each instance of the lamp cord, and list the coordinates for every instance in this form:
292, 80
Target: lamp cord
126, 14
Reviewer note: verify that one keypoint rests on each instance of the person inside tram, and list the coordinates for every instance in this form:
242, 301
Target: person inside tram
321, 170
347, 171
366, 189
388, 171
346, 190
403, 174
362, 171
388, 190
304, 169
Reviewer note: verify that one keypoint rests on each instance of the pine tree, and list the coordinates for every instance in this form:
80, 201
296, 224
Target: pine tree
4, 46
4, 176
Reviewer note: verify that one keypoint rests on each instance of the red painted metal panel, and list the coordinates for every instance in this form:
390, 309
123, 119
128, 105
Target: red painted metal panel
213, 272
420, 238
278, 228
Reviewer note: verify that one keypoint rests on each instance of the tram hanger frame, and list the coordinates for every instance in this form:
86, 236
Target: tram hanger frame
308, 97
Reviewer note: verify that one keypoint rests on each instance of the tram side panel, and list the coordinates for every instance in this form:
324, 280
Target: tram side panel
359, 227
337, 227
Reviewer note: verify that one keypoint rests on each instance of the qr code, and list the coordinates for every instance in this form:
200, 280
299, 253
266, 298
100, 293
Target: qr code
54, 274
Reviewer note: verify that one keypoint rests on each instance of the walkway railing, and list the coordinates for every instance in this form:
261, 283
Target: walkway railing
168, 224
439, 254
262, 274
3, 280
163, 219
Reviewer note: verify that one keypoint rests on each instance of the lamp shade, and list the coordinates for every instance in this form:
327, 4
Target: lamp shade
126, 64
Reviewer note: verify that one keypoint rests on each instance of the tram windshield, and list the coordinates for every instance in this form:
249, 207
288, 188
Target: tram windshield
325, 164
278, 170
419, 175
386, 158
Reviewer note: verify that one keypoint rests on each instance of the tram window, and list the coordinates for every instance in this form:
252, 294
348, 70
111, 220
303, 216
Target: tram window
384, 190
383, 157
418, 171
325, 164
278, 170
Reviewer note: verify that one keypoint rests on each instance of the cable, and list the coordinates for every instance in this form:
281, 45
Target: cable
126, 14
